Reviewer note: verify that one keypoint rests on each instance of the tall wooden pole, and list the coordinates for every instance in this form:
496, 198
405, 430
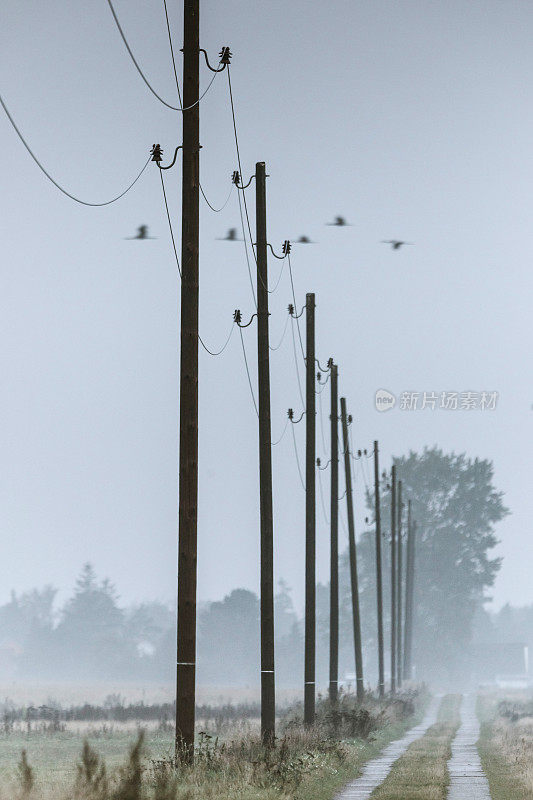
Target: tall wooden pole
399, 650
353, 556
268, 703
310, 516
409, 594
379, 575
188, 454
334, 541
393, 584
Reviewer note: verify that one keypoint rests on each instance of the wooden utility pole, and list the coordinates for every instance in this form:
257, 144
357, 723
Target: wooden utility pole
188, 454
379, 575
310, 516
399, 661
268, 700
353, 556
409, 594
334, 537
393, 583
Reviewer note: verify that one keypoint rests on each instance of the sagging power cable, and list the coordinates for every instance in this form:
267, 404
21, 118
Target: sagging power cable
225, 54
56, 184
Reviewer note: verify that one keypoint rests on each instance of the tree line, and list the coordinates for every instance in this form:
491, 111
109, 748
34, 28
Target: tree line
456, 507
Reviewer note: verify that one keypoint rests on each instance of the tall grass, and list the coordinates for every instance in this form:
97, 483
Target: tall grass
239, 767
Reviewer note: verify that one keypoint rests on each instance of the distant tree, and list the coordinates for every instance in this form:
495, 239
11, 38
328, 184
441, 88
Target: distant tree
26, 631
27, 610
456, 508
91, 635
228, 642
289, 642
284, 614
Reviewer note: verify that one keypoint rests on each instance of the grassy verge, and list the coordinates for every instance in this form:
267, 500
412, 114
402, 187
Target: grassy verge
506, 746
304, 764
422, 773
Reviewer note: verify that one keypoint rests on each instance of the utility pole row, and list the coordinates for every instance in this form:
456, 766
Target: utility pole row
310, 514
399, 663
334, 542
353, 556
268, 701
393, 583
379, 576
188, 440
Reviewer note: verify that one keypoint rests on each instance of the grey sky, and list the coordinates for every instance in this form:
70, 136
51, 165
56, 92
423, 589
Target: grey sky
413, 119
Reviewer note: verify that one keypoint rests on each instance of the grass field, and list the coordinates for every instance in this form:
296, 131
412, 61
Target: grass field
304, 763
506, 744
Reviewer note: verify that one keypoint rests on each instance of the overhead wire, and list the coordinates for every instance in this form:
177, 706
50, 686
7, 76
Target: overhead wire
170, 223
294, 301
239, 159
206, 348
246, 251
218, 352
282, 335
143, 76
282, 435
248, 373
56, 184
172, 53
297, 458
223, 206
139, 70
322, 422
216, 210
326, 519
296, 363
271, 291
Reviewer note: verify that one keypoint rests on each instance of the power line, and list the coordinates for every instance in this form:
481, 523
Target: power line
218, 352
56, 184
295, 306
282, 335
326, 519
170, 223
271, 291
172, 53
248, 373
282, 435
322, 422
296, 364
145, 79
239, 160
139, 70
246, 251
206, 348
297, 458
222, 207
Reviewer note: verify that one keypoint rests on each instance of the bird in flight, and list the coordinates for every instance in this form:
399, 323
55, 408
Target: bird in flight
142, 233
231, 236
304, 240
340, 222
395, 243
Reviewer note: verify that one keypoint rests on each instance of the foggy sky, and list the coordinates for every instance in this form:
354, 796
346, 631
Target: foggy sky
413, 119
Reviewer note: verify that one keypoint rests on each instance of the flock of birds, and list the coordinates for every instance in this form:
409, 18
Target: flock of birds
231, 236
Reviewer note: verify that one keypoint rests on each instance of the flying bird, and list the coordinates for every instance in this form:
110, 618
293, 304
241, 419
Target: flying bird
142, 233
340, 222
395, 243
231, 236
304, 240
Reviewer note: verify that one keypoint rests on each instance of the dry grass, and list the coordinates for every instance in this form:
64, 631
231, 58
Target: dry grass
506, 745
422, 773
304, 763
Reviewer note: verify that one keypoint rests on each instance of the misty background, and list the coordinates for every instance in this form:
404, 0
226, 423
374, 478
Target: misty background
411, 119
